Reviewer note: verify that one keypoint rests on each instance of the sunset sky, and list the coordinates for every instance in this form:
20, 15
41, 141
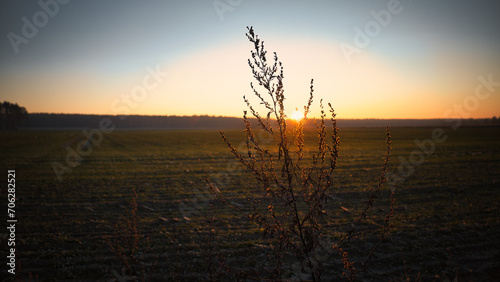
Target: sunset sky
190, 57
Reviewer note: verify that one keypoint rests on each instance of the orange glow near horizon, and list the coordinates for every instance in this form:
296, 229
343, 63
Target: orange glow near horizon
206, 82
297, 115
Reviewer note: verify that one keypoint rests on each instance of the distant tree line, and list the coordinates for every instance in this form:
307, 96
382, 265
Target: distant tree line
11, 115
74, 121
43, 120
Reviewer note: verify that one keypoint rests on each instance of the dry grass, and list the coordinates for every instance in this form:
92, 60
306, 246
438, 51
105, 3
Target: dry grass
291, 186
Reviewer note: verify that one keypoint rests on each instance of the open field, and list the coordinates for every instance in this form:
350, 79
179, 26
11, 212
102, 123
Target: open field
447, 216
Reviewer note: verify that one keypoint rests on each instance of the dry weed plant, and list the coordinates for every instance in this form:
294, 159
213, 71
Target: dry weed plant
125, 243
289, 202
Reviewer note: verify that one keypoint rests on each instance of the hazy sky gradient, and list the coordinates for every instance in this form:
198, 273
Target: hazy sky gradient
92, 53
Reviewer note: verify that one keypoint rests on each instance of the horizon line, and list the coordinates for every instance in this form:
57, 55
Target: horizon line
223, 116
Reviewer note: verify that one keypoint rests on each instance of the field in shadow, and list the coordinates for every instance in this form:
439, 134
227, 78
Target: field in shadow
446, 222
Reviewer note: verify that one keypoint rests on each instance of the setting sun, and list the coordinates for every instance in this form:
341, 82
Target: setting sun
297, 115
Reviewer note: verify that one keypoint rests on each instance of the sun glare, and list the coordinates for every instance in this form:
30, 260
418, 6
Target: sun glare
297, 115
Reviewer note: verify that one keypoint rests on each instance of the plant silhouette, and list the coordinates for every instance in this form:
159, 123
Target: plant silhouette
293, 184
